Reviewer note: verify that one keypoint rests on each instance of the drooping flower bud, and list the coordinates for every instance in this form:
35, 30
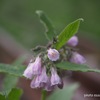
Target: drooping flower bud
73, 41
43, 76
28, 72
48, 86
77, 58
37, 66
55, 79
40, 80
53, 54
61, 85
36, 82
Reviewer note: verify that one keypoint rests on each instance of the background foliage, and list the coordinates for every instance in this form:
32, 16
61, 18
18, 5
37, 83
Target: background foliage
18, 18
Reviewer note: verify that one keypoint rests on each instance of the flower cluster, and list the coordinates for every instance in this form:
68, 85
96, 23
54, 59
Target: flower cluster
39, 75
43, 71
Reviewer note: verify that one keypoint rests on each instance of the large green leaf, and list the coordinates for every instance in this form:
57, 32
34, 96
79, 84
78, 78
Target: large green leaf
9, 82
2, 97
67, 33
15, 94
76, 67
50, 32
64, 94
12, 69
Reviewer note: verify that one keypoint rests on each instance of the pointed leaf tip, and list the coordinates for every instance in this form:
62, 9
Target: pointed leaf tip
50, 31
81, 19
39, 12
69, 31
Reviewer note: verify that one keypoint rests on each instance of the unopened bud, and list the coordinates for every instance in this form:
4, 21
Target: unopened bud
77, 58
53, 54
73, 41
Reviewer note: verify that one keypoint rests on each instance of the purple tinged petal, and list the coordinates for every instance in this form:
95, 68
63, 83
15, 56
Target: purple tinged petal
73, 41
48, 86
44, 77
77, 58
55, 79
53, 54
28, 72
36, 82
36, 69
40, 80
33, 68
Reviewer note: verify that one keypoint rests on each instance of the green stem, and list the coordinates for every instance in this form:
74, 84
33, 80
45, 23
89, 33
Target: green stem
44, 95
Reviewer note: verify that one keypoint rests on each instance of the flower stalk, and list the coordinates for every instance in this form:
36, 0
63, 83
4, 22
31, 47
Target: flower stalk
44, 93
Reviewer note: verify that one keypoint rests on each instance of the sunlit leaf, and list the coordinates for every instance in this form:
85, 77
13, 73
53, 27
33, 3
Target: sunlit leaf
67, 33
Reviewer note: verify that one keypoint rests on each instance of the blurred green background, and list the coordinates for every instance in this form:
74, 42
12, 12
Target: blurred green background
18, 18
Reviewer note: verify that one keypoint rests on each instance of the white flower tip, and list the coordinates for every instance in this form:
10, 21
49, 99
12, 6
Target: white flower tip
28, 73
53, 54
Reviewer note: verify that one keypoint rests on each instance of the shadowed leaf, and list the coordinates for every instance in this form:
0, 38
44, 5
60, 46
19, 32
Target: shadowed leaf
12, 69
76, 67
50, 32
64, 94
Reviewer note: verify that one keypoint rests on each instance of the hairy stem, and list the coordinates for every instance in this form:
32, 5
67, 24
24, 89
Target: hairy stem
43, 95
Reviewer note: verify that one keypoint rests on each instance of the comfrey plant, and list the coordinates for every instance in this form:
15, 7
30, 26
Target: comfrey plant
60, 54
43, 70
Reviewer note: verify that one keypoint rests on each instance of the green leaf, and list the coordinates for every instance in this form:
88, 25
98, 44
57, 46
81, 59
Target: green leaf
50, 32
15, 94
12, 69
2, 97
76, 67
64, 94
67, 33
9, 83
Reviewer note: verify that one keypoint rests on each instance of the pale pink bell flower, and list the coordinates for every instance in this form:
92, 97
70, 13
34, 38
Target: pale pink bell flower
36, 69
28, 71
53, 54
55, 79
